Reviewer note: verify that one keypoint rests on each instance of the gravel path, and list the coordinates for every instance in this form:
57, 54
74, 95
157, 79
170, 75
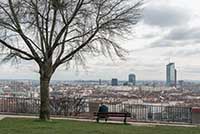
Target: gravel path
2, 117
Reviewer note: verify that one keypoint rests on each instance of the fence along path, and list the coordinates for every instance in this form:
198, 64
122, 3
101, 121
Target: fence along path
74, 107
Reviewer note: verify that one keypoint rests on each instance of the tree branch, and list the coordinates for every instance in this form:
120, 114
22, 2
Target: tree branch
16, 49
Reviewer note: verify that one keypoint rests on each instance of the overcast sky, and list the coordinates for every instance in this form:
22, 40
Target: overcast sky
168, 32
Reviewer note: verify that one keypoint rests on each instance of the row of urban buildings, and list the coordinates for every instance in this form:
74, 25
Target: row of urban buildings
171, 77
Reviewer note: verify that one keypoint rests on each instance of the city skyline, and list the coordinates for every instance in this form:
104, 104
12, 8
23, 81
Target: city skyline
155, 40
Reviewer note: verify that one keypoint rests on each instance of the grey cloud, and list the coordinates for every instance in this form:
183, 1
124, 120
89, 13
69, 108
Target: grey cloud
183, 52
183, 33
161, 43
165, 16
178, 37
149, 36
164, 43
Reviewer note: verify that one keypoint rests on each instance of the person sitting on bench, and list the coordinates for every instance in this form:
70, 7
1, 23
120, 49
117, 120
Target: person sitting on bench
102, 109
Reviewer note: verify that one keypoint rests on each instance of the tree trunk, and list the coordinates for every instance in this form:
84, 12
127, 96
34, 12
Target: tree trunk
44, 97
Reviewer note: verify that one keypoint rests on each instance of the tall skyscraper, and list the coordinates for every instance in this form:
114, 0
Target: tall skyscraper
114, 82
132, 79
171, 75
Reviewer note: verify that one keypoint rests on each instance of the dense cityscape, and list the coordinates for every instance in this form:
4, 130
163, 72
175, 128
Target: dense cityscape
171, 92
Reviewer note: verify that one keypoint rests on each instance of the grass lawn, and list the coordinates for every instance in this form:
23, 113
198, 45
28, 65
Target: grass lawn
32, 126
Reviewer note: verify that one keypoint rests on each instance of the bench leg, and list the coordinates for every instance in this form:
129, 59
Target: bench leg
124, 120
106, 119
97, 119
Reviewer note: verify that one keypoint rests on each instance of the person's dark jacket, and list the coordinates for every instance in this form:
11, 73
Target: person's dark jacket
103, 108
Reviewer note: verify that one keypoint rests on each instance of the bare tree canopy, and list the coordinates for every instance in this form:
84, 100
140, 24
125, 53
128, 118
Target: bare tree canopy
53, 32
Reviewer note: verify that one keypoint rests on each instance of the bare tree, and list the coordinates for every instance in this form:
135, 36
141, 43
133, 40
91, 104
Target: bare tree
56, 32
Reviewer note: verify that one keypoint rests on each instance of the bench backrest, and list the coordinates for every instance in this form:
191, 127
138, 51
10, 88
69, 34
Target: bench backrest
113, 114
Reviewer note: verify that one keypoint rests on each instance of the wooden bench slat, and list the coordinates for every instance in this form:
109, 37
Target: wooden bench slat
113, 114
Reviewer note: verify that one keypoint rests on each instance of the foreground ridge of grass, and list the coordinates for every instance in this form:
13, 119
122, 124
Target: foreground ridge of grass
34, 126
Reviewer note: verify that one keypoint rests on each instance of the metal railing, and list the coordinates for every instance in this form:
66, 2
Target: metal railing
77, 106
12, 105
154, 112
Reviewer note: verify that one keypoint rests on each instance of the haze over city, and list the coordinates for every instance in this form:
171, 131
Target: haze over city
168, 32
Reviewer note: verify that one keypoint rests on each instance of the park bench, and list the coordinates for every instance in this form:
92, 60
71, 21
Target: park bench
106, 115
